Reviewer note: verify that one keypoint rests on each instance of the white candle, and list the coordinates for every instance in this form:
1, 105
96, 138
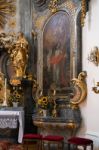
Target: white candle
54, 92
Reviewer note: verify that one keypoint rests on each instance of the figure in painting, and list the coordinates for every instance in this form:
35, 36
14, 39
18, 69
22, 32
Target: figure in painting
56, 51
56, 62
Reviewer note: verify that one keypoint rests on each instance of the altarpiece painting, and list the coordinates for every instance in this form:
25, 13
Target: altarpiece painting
59, 46
56, 51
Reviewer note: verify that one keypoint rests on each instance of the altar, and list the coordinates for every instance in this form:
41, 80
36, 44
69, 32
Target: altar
12, 118
66, 124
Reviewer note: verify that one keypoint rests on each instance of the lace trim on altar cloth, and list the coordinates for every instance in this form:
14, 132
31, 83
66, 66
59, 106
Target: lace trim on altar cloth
8, 122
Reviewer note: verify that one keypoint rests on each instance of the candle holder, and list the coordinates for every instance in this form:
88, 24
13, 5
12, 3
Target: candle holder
96, 88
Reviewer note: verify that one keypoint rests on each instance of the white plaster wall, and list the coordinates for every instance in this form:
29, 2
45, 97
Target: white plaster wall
90, 108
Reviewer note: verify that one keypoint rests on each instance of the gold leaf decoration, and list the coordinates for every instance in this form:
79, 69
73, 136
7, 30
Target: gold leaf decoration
12, 23
7, 8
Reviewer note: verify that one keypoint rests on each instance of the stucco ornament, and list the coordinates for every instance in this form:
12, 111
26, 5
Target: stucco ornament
80, 88
7, 8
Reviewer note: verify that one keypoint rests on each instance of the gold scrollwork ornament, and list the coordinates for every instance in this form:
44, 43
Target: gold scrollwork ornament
96, 88
94, 56
80, 88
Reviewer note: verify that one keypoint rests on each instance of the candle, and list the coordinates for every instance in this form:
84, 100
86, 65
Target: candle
40, 94
54, 92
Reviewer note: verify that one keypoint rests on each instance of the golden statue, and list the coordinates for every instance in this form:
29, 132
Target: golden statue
4, 90
19, 55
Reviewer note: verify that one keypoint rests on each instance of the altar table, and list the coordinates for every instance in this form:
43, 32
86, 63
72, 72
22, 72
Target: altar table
10, 117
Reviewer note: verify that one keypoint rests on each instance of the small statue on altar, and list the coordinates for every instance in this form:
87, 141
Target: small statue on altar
1, 87
19, 55
4, 91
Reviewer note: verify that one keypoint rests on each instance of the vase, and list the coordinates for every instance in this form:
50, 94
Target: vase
44, 112
15, 104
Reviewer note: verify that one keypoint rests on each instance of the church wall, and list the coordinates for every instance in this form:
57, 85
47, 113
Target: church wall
90, 108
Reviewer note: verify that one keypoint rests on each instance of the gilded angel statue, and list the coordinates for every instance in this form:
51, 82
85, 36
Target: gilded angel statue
19, 55
4, 90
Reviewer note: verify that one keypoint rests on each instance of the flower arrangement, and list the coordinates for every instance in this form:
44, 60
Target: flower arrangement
15, 96
43, 102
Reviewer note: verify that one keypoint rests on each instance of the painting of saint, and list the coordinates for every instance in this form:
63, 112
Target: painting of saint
56, 51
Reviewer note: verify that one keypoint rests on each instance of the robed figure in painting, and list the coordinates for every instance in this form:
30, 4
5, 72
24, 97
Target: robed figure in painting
56, 52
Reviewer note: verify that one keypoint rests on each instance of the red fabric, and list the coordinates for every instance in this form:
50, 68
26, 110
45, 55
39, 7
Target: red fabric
53, 138
80, 141
56, 59
32, 136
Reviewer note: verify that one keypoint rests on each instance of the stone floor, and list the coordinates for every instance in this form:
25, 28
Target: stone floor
33, 147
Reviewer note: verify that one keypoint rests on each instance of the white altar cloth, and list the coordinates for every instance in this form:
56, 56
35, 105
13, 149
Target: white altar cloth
9, 118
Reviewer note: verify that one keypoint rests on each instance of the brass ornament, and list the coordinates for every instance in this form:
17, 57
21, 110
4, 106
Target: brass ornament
7, 8
80, 88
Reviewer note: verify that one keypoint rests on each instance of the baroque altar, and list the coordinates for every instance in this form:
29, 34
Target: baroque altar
66, 124
63, 116
57, 39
